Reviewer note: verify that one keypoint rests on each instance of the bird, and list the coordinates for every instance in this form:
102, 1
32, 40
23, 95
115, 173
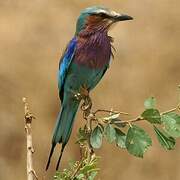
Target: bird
83, 64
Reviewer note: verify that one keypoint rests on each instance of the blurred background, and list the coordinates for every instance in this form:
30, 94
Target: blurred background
33, 35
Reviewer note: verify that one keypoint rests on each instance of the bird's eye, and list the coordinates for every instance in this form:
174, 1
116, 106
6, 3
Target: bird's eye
103, 15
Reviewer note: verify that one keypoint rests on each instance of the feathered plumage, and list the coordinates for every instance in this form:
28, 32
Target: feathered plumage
83, 64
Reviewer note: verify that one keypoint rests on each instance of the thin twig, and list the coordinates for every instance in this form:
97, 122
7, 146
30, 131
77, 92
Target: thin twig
76, 170
139, 118
31, 174
129, 121
109, 111
172, 110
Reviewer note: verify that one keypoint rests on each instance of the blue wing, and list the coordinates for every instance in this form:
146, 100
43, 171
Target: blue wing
64, 63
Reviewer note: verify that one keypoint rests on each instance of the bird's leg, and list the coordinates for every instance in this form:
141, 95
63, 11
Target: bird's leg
83, 94
87, 103
84, 90
86, 106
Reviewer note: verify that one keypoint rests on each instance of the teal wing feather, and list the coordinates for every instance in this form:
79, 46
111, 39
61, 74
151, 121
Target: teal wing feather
65, 118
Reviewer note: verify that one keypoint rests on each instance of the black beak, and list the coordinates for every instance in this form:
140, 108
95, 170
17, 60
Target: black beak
122, 17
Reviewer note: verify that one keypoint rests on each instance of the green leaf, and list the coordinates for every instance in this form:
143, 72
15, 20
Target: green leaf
164, 139
171, 123
110, 133
150, 103
82, 136
152, 115
92, 175
137, 141
88, 167
96, 137
80, 176
120, 138
71, 163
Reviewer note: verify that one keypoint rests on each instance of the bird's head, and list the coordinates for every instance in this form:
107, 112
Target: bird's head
96, 18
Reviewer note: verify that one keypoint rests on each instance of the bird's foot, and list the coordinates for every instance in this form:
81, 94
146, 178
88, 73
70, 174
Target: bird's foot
86, 106
84, 91
83, 94
87, 103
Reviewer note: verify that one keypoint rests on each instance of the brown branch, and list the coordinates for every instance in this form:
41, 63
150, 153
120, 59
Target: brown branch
76, 170
172, 110
133, 120
139, 118
89, 117
86, 150
31, 174
125, 122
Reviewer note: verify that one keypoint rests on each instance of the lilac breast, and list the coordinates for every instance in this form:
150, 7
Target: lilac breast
93, 51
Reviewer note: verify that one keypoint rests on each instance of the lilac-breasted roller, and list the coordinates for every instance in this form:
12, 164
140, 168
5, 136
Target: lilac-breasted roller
83, 64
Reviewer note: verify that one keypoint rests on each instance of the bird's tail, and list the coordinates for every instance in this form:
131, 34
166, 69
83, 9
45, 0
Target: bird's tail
63, 128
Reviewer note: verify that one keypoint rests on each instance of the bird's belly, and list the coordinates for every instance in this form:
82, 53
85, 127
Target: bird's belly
81, 76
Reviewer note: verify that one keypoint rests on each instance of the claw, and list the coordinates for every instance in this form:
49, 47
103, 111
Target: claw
84, 91
78, 96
